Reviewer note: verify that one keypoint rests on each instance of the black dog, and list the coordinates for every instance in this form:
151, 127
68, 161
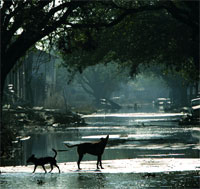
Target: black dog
44, 160
96, 149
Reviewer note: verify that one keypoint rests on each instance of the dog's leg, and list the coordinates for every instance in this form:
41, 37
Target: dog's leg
57, 167
98, 162
79, 160
44, 168
99, 159
51, 168
34, 168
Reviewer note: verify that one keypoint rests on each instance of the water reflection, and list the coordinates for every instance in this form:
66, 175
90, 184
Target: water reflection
97, 180
100, 180
130, 137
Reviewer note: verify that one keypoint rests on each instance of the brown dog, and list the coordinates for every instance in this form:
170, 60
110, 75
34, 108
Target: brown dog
44, 160
96, 149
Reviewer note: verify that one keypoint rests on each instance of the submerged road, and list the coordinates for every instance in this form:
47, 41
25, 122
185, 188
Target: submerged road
141, 165
145, 150
118, 174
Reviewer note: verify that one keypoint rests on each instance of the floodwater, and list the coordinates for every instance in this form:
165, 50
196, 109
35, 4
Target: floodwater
98, 180
132, 135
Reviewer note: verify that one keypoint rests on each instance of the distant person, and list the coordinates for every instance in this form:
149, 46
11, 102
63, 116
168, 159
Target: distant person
135, 107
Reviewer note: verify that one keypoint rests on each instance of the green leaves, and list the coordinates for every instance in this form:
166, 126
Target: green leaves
142, 31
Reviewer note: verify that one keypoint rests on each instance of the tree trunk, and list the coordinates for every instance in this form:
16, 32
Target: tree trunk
3, 80
178, 95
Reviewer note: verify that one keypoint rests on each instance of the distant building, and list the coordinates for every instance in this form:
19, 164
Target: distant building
31, 80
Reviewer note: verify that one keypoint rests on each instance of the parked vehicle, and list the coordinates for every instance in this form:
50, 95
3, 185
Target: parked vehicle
195, 102
163, 104
193, 116
195, 108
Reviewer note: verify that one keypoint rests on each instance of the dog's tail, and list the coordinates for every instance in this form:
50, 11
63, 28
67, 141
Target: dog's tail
55, 153
71, 145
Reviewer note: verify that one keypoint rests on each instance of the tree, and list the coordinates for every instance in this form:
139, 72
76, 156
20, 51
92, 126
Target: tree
101, 81
23, 23
147, 38
175, 81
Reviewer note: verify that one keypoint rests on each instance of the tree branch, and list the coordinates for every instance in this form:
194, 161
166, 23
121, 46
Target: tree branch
183, 15
6, 6
119, 18
85, 88
50, 28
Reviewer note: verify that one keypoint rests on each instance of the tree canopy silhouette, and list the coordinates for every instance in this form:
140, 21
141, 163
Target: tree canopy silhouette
24, 23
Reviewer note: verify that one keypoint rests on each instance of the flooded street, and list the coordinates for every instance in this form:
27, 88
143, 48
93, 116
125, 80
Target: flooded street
132, 136
100, 180
117, 79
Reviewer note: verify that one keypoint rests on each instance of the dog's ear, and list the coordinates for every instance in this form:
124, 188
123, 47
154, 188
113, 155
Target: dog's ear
107, 137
